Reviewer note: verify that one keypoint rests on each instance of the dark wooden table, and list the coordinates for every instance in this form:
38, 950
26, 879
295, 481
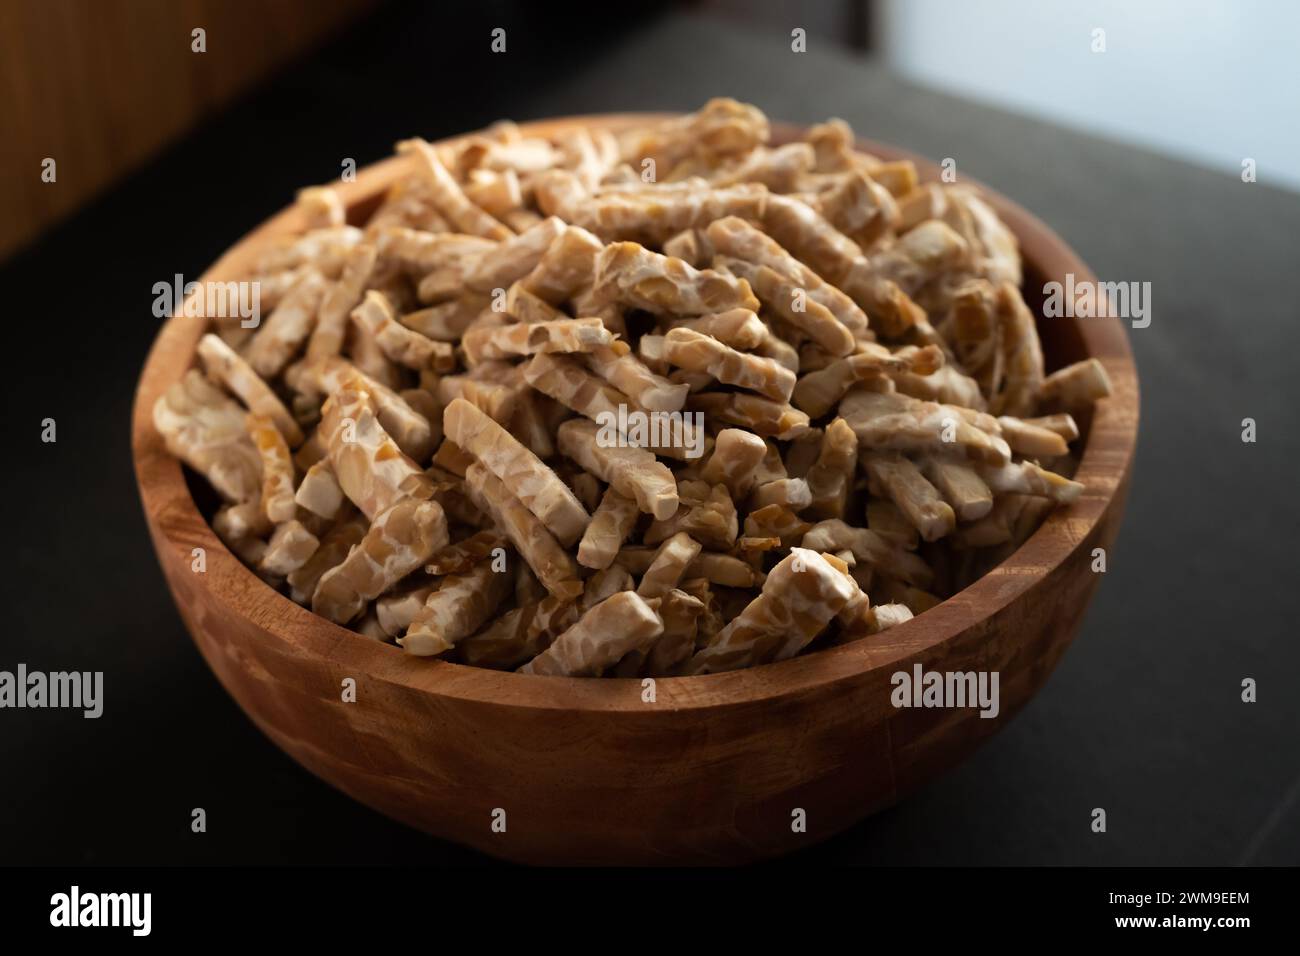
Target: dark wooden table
1143, 717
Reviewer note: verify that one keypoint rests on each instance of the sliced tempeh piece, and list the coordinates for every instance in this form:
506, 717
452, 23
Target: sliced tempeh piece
376, 317
206, 430
655, 216
399, 541
320, 247
831, 475
962, 486
1062, 424
734, 462
564, 380
1022, 354
706, 512
792, 303
698, 352
370, 468
760, 415
834, 535
535, 544
319, 490
899, 479
806, 233
460, 557
396, 610
741, 240
288, 549
818, 391
739, 328
277, 469
568, 265
285, 330
515, 258
633, 275
449, 197
610, 526
446, 321
669, 565
225, 366
776, 521
1031, 440
1075, 386
509, 341
634, 472
334, 547
519, 635
680, 613
616, 364
1026, 478
802, 594
344, 296
791, 493
461, 605
610, 630
884, 518
412, 432
524, 475
889, 421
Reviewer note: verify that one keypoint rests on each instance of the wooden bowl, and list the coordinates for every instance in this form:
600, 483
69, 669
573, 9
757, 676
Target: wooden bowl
586, 771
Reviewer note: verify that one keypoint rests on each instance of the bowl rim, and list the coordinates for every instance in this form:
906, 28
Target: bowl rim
1105, 463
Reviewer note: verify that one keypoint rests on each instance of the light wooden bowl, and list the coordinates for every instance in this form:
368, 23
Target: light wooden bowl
585, 771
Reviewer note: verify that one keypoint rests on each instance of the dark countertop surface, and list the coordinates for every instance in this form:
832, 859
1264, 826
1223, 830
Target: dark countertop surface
1143, 716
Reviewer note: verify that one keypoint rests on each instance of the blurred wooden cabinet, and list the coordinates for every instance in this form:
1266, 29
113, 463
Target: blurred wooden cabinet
100, 85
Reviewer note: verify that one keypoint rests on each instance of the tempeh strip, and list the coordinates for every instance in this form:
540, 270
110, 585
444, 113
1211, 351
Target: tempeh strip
285, 330
376, 317
617, 365
834, 535
801, 596
962, 486
370, 468
225, 366
277, 469
607, 632
635, 472
399, 541
460, 606
633, 275
206, 430
903, 482
509, 341
610, 526
449, 197
319, 490
524, 475
693, 350
735, 460
535, 544
331, 323
669, 565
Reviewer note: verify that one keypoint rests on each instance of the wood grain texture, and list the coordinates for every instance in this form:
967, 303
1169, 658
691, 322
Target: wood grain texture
587, 772
100, 85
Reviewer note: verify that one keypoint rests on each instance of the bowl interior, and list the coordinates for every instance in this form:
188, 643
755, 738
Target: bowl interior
179, 503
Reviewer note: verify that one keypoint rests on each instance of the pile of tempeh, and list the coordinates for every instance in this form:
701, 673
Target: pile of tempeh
418, 444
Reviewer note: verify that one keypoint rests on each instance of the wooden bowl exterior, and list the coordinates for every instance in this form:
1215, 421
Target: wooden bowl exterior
585, 771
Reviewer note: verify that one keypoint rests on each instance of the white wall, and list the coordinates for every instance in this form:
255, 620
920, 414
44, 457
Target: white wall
1208, 81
